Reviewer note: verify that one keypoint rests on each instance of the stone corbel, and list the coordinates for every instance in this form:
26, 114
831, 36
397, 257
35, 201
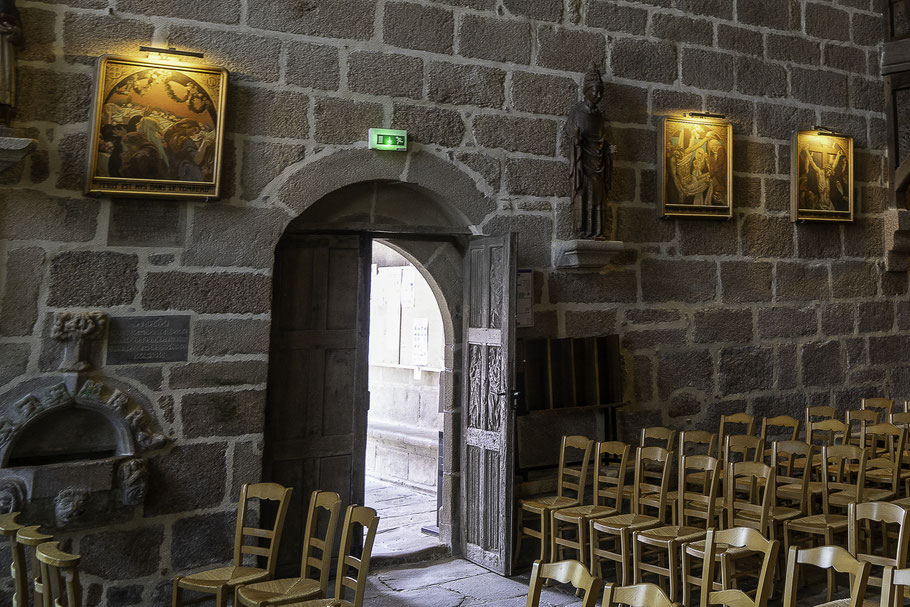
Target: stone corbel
14, 147
583, 253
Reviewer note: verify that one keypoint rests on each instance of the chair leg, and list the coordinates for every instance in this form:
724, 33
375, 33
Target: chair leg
177, 595
684, 569
544, 528
829, 540
673, 567
636, 559
624, 537
221, 597
595, 565
554, 531
582, 542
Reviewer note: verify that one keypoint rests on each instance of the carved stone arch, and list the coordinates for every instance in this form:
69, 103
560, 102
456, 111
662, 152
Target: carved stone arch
131, 424
458, 191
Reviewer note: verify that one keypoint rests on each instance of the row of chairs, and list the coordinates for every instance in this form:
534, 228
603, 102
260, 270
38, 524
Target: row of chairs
833, 559
840, 475
55, 574
253, 586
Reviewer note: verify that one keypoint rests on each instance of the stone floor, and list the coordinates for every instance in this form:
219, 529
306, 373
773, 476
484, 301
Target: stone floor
403, 512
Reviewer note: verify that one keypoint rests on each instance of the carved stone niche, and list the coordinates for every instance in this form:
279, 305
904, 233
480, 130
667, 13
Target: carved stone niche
74, 459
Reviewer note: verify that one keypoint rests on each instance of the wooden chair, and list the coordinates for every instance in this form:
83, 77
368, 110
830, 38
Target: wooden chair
564, 572
60, 571
222, 581
317, 556
834, 559
639, 595
726, 546
666, 540
608, 492
659, 436
748, 500
8, 529
30, 537
746, 540
885, 514
619, 528
884, 461
355, 518
697, 442
857, 420
828, 432
829, 523
781, 427
816, 414
568, 479
743, 419
792, 463
884, 406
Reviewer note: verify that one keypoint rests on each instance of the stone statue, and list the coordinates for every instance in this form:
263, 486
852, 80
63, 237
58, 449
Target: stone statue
590, 159
75, 330
133, 481
10, 37
12, 495
69, 505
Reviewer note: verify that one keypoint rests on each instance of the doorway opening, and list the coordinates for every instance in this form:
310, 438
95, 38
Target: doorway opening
405, 420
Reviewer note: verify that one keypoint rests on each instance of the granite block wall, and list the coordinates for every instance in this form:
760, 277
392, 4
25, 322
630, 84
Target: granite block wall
754, 314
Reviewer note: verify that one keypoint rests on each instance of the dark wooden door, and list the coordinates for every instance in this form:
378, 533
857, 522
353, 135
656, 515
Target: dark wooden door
487, 413
316, 416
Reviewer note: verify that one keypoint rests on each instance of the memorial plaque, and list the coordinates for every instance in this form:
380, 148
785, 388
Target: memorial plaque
151, 223
136, 340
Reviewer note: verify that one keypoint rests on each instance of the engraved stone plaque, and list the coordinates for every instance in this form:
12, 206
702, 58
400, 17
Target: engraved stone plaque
146, 224
148, 339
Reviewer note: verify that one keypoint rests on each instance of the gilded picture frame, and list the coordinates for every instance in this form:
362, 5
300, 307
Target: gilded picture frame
157, 129
695, 167
821, 176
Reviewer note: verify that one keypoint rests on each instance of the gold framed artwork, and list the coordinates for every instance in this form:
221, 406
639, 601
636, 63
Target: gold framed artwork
157, 129
695, 167
821, 176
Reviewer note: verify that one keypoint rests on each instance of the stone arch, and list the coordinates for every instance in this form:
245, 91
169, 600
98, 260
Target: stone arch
457, 190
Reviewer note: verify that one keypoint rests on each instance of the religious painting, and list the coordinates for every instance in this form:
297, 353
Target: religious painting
695, 171
821, 176
157, 129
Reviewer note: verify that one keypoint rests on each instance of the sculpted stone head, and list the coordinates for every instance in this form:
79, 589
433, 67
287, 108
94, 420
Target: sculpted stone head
12, 495
133, 481
69, 505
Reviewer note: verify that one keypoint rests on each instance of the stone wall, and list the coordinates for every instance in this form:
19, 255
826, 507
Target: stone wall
756, 313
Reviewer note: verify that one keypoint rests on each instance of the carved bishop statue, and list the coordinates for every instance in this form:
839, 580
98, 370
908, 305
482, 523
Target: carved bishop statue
590, 159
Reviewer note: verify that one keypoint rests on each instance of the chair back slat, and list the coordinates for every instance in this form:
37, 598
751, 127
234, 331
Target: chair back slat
322, 504
826, 557
697, 442
637, 595
760, 498
661, 460
746, 425
792, 463
884, 513
701, 502
828, 432
261, 491
611, 462
836, 464
571, 478
355, 517
883, 405
565, 572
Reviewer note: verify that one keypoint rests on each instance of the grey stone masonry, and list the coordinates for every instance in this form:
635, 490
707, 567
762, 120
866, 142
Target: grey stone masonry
755, 314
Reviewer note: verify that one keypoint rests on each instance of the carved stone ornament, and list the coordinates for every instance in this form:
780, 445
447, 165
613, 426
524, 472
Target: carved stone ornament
145, 438
133, 477
590, 160
75, 330
27, 407
12, 495
69, 505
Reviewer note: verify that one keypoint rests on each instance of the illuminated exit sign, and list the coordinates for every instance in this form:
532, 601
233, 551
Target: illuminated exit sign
389, 139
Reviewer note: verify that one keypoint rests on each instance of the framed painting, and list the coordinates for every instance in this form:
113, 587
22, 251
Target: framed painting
157, 129
821, 176
695, 167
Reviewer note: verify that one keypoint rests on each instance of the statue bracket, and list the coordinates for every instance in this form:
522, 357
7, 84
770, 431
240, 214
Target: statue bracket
13, 147
577, 254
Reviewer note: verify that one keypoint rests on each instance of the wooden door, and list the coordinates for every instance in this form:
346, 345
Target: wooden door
487, 413
316, 415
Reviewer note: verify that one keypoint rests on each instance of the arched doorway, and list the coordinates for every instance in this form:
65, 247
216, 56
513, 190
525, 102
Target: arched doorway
320, 333
428, 208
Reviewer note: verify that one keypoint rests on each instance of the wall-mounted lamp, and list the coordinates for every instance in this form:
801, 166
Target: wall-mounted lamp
825, 131
165, 53
704, 115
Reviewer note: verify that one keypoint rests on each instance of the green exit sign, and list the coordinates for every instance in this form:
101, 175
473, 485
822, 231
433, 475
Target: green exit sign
389, 139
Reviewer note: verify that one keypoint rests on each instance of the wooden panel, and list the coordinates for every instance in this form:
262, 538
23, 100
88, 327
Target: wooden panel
317, 392
487, 414
539, 433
